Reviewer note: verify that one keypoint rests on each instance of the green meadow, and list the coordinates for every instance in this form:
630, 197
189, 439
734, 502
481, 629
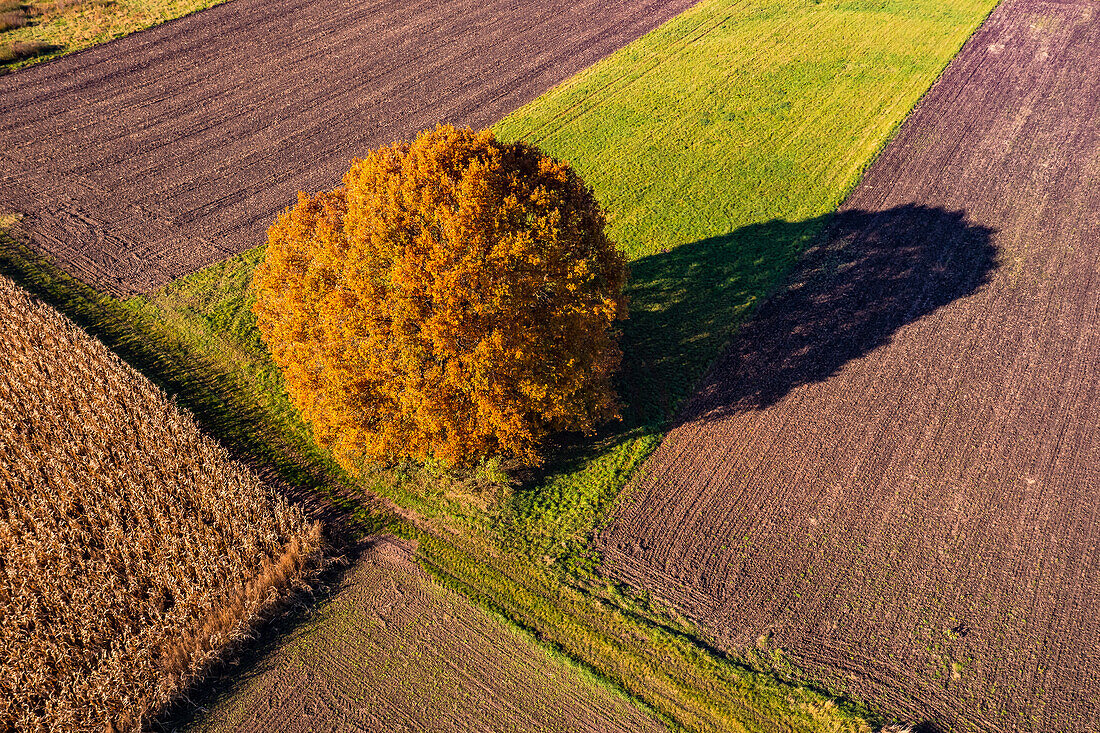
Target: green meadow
718, 145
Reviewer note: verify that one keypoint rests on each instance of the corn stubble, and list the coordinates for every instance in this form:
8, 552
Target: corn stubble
132, 547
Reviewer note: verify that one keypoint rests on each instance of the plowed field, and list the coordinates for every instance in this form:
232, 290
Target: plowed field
890, 480
144, 159
412, 656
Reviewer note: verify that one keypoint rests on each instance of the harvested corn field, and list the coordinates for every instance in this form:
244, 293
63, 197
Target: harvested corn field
147, 158
890, 479
394, 651
132, 548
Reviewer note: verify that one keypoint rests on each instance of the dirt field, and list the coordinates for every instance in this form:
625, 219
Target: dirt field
890, 480
141, 160
413, 657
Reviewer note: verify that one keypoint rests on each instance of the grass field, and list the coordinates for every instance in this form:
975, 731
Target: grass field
718, 144
37, 30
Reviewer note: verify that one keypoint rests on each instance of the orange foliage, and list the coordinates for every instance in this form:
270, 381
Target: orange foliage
454, 299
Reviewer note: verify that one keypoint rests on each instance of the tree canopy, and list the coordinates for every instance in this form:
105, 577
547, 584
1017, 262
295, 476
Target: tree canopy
455, 299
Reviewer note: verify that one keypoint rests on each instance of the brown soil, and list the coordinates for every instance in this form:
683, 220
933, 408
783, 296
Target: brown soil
892, 475
394, 651
144, 159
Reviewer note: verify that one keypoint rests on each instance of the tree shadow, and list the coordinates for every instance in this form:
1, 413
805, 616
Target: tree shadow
687, 302
867, 275
15, 51
787, 303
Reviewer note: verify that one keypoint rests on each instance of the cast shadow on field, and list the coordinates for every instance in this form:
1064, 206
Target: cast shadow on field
866, 275
685, 303
825, 290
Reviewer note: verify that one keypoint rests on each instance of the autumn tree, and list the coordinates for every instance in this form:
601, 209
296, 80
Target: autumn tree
455, 298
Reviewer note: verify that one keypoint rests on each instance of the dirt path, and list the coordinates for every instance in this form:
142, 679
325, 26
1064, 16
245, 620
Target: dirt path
394, 651
893, 475
144, 159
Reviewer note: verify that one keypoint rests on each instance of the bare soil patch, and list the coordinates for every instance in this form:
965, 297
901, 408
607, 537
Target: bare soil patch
144, 159
392, 650
890, 480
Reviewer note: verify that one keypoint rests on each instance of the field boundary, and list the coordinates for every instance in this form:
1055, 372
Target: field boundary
633, 475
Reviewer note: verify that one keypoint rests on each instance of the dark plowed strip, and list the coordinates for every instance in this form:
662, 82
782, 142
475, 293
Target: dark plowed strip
144, 159
894, 474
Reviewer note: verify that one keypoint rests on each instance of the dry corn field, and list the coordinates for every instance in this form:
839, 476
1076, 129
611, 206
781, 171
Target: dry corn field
132, 547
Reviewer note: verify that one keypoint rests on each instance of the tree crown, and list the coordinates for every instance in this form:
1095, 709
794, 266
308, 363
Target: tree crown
454, 298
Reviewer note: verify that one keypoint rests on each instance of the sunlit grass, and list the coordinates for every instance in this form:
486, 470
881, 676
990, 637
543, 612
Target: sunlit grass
718, 145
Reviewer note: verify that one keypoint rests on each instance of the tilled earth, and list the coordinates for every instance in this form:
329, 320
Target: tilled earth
394, 651
892, 479
141, 160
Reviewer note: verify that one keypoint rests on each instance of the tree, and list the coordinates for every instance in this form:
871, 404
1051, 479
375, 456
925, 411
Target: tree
455, 299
